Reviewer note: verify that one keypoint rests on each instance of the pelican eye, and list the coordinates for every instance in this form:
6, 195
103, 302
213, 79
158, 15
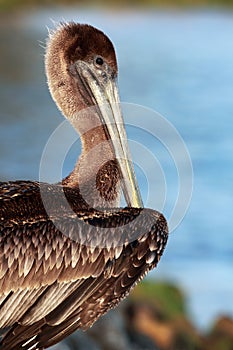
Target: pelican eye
99, 61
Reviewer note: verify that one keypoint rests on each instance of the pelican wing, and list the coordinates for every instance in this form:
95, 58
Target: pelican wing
61, 273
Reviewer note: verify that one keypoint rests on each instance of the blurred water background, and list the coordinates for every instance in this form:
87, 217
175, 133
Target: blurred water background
177, 62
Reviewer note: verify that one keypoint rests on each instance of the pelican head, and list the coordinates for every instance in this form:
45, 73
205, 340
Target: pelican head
81, 67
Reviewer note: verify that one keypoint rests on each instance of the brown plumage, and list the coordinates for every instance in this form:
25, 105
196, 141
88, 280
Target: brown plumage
66, 255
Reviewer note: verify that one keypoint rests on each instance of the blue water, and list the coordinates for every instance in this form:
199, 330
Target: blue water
177, 63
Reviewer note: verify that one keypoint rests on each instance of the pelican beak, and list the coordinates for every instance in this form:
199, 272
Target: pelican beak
104, 91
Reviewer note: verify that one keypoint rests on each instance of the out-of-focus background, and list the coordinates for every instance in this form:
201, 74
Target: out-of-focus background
175, 57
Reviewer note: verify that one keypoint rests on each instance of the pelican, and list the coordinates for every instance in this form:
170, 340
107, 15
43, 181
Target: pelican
68, 252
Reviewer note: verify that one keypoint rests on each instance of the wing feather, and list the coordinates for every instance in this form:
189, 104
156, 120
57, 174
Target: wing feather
54, 295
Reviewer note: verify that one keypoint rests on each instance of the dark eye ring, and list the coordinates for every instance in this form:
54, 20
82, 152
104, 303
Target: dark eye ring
99, 61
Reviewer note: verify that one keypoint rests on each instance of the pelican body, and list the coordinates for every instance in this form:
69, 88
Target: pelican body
68, 252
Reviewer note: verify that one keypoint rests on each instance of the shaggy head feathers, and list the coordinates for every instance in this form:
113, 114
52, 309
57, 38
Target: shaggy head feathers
68, 43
